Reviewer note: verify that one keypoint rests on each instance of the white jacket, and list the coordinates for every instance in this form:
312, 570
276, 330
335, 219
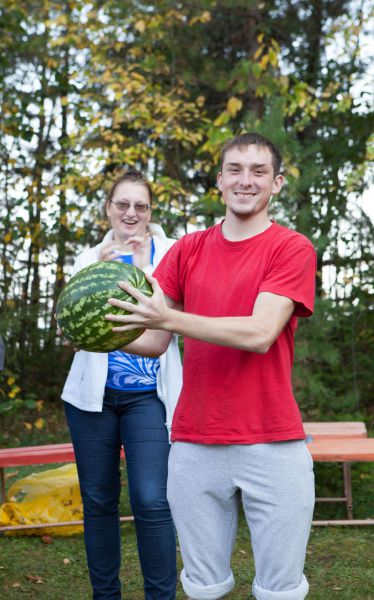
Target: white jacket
84, 387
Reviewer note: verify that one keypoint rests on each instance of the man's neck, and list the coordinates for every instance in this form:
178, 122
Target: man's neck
236, 229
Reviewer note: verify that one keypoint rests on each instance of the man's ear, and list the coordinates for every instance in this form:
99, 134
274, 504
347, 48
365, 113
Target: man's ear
219, 181
277, 184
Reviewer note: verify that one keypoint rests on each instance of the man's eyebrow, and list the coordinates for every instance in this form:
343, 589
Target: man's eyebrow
253, 166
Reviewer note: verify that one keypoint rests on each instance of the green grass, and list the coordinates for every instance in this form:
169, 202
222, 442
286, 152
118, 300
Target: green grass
338, 566
339, 561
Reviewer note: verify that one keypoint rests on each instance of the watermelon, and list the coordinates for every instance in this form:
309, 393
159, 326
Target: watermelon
82, 305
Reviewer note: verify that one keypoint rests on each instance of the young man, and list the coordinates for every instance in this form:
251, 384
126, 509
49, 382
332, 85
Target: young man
235, 292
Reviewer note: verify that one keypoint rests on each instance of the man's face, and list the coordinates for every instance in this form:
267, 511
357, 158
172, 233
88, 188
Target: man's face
247, 180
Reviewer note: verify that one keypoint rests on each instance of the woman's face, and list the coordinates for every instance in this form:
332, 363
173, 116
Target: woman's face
129, 211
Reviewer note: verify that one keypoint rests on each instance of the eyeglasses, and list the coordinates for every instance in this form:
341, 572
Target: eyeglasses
123, 206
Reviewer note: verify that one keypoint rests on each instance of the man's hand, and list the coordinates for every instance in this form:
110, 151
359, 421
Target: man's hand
150, 313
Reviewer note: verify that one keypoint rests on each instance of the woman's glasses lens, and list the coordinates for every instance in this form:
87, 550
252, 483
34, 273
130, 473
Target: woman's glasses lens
124, 206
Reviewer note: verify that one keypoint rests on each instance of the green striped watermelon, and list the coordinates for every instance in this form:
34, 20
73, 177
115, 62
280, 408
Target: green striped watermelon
82, 305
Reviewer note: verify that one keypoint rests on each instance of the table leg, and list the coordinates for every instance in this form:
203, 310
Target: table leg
348, 488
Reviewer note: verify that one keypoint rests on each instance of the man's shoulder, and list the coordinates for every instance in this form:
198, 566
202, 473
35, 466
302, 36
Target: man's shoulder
190, 240
285, 235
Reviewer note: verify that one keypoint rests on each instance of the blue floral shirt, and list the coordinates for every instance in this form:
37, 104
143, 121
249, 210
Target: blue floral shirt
129, 372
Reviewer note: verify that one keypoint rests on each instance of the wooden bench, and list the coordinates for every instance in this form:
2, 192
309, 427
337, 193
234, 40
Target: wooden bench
343, 450
38, 455
334, 429
343, 442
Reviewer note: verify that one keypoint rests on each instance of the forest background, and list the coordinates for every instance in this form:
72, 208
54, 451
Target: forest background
91, 87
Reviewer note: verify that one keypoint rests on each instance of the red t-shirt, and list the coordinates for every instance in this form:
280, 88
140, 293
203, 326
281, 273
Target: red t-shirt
232, 396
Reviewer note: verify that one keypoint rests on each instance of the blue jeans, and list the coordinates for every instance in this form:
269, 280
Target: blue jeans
135, 420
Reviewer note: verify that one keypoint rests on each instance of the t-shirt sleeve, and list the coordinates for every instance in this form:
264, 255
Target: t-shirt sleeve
167, 273
292, 274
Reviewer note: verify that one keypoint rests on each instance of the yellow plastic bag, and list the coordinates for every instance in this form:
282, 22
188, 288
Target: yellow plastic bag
51, 496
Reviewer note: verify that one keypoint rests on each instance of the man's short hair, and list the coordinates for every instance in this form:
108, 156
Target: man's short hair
247, 139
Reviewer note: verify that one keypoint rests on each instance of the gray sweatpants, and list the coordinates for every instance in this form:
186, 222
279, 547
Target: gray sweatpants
274, 482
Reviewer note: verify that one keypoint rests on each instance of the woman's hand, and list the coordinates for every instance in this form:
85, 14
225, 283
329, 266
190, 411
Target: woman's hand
110, 251
137, 243
113, 250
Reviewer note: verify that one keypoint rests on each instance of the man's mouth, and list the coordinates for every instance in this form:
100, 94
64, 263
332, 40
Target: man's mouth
244, 195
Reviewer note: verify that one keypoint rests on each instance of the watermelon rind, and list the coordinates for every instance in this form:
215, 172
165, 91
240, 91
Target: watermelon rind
83, 304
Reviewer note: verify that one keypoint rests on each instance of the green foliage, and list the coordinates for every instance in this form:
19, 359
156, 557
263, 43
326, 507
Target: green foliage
12, 398
332, 374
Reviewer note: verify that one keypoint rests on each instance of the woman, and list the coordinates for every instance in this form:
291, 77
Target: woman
117, 399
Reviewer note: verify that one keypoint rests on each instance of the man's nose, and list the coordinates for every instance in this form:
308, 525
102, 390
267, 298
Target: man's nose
245, 177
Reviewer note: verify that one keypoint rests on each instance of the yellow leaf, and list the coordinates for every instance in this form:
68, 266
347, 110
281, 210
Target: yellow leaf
64, 101
27, 425
273, 57
203, 18
140, 26
222, 119
80, 232
258, 52
264, 62
234, 105
8, 237
39, 405
14, 391
10, 380
260, 37
39, 423
294, 172
107, 76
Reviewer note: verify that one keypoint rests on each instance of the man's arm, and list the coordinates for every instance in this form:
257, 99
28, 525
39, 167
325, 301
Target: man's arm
253, 334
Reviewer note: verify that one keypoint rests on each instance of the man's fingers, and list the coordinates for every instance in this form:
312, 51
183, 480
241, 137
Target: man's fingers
122, 318
123, 304
133, 291
153, 281
125, 328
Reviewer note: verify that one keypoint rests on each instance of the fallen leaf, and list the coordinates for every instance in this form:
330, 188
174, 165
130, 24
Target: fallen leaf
66, 561
39, 423
46, 539
34, 578
16, 584
11, 474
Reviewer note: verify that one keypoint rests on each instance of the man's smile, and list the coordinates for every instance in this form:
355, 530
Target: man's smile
245, 195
